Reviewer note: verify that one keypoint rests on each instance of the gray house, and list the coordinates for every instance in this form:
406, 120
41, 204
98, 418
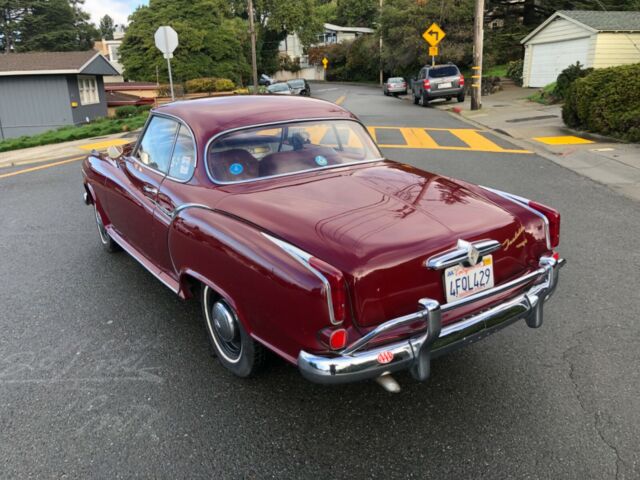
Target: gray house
45, 90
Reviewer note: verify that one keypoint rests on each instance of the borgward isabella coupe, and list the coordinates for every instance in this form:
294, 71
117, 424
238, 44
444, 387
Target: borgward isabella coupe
300, 238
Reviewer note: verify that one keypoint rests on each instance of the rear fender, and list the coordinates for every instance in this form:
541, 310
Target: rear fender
278, 301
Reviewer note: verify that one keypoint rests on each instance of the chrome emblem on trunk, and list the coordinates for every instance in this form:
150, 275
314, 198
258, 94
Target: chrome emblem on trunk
473, 254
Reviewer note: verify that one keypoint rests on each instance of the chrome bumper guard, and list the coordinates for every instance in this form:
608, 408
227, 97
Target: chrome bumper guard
415, 354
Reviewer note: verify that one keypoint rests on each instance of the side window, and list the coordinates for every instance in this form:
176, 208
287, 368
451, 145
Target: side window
156, 145
183, 160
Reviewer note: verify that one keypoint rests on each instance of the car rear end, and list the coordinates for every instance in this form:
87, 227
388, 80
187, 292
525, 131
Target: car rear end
416, 308
444, 81
396, 85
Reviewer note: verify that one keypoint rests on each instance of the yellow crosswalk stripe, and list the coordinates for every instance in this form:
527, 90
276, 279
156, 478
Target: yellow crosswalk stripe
419, 138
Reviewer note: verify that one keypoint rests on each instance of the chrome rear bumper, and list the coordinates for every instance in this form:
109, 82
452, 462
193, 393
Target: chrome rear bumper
415, 354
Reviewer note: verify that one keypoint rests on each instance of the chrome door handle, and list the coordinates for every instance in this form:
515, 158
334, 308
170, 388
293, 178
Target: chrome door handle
150, 189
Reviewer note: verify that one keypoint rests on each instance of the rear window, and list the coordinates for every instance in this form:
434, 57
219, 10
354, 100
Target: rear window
288, 148
278, 87
296, 83
396, 80
439, 72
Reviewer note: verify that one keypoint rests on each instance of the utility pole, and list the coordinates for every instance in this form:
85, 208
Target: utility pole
254, 63
379, 24
478, 39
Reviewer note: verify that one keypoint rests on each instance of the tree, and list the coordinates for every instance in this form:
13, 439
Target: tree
11, 14
402, 23
106, 27
55, 25
213, 42
357, 13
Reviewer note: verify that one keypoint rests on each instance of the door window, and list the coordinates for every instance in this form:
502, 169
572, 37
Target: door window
183, 160
156, 145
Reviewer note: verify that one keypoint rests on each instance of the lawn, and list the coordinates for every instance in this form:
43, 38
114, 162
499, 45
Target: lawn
545, 95
496, 71
97, 128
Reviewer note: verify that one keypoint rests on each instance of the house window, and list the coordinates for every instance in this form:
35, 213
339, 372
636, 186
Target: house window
114, 53
88, 87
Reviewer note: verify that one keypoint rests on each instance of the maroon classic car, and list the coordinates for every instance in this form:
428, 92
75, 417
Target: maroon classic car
282, 215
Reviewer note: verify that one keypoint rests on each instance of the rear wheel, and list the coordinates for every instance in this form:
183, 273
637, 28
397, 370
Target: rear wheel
107, 242
448, 99
415, 99
424, 100
461, 98
233, 346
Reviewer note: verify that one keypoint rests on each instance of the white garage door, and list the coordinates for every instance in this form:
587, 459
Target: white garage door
549, 59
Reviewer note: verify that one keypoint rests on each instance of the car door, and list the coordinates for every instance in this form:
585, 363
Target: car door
131, 206
174, 192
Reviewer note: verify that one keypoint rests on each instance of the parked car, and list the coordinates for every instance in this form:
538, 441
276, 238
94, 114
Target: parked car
299, 237
394, 86
265, 80
300, 86
440, 81
280, 88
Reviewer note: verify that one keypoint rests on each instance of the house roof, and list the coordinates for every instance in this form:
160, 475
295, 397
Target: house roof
337, 28
123, 86
55, 63
594, 21
117, 99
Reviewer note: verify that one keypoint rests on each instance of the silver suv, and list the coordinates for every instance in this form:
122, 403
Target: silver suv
439, 81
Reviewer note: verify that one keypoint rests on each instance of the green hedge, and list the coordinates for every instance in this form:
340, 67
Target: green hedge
607, 101
127, 111
208, 85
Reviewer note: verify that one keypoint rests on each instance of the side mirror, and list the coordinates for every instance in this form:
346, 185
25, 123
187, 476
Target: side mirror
114, 152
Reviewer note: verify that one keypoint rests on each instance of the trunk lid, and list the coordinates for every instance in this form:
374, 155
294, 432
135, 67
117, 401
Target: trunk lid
378, 223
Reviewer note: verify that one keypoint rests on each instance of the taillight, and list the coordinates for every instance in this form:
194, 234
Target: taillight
461, 80
338, 339
427, 84
337, 288
553, 216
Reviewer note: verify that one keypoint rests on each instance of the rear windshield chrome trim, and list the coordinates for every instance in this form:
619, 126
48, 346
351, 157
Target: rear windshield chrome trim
284, 122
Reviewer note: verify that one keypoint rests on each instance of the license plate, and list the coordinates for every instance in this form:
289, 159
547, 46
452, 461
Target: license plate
462, 281
445, 85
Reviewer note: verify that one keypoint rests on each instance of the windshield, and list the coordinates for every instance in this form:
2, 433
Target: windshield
439, 72
288, 148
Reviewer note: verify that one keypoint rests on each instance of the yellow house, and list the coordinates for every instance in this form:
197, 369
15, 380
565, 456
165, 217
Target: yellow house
594, 38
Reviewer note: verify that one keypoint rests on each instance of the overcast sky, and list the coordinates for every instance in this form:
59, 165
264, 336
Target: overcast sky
119, 10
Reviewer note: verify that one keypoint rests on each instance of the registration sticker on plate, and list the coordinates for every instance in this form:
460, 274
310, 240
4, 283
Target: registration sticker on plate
461, 282
445, 85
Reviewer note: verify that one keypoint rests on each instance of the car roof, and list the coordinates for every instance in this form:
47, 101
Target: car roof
209, 116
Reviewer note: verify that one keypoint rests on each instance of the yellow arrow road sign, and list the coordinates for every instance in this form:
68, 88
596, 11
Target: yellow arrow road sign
433, 35
325, 62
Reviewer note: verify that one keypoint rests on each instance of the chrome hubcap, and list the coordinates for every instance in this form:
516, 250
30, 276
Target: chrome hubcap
224, 328
224, 322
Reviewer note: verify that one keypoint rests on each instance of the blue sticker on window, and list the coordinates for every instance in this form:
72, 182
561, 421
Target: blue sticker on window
236, 169
322, 161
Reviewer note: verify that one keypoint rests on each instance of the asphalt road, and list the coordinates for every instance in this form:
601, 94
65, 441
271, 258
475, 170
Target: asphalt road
104, 373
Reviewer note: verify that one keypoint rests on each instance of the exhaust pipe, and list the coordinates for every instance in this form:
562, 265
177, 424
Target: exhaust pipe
389, 383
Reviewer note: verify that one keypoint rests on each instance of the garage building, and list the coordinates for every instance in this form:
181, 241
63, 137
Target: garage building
593, 38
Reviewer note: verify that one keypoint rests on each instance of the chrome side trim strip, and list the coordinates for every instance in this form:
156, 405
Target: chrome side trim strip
524, 203
459, 255
303, 258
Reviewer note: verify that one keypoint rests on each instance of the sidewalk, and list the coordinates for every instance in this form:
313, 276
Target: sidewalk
540, 128
63, 151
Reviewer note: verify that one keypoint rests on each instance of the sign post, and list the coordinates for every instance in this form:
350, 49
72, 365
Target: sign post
433, 36
167, 41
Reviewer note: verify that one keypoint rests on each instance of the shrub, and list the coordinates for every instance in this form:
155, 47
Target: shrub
568, 76
209, 85
224, 85
607, 101
126, 111
514, 71
546, 95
